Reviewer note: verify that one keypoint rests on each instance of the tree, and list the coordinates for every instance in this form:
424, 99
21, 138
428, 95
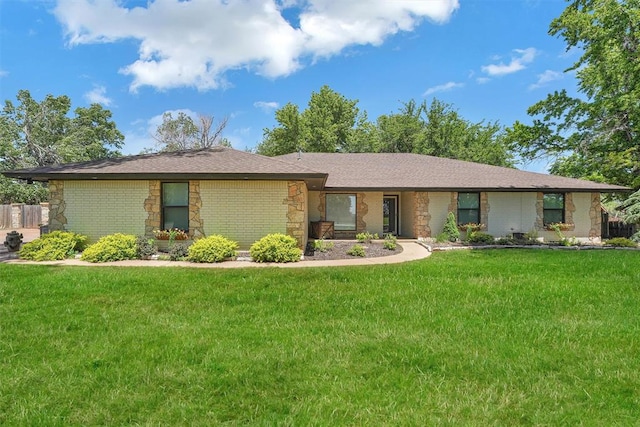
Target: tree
438, 130
595, 135
42, 133
330, 123
182, 133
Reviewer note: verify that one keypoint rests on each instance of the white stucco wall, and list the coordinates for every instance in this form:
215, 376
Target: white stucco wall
406, 214
374, 216
439, 209
511, 213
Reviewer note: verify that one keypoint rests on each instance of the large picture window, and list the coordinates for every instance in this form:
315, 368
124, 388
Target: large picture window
468, 208
553, 208
341, 209
175, 205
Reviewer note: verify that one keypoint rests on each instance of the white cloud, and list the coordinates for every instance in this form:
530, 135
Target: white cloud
519, 60
3, 73
482, 80
194, 43
98, 96
442, 88
265, 106
547, 77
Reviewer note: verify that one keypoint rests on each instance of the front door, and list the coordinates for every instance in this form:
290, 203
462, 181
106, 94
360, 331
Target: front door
390, 214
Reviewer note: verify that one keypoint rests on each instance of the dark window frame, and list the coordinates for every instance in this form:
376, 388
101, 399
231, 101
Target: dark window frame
546, 211
164, 206
468, 210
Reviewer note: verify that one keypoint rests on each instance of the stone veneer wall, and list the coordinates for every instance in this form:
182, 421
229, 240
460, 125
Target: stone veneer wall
196, 224
361, 210
421, 216
57, 219
152, 205
453, 203
569, 209
595, 216
297, 214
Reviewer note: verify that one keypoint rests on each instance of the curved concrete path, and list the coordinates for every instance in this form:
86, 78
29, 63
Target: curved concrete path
411, 251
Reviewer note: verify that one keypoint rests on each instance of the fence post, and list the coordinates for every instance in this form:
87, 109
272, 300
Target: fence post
16, 215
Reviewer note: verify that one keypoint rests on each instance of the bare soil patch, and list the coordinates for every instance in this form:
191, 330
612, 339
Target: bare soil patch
340, 248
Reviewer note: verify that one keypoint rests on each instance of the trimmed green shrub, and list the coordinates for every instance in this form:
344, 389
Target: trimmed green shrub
53, 246
145, 247
451, 228
275, 247
114, 247
214, 248
179, 252
621, 242
322, 245
356, 250
366, 237
390, 242
480, 237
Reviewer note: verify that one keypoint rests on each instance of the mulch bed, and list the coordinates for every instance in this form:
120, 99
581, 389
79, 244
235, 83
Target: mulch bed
340, 248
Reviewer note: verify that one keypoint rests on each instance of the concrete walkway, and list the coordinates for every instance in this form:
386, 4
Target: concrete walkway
411, 250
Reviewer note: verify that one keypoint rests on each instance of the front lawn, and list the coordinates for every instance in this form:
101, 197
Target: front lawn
496, 337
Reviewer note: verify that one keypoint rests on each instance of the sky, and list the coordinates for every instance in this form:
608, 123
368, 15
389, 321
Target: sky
244, 59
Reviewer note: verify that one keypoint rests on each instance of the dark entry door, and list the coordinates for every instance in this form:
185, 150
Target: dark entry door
390, 214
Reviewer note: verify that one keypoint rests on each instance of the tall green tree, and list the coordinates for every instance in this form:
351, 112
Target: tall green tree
595, 135
183, 133
439, 130
44, 133
330, 123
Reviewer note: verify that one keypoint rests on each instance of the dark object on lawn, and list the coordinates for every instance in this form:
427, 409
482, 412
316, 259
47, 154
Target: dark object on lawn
13, 241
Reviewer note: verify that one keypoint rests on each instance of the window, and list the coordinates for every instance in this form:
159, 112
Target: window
468, 208
553, 208
175, 205
341, 209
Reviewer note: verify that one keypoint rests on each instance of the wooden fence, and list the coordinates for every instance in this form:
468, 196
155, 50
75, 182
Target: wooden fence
18, 215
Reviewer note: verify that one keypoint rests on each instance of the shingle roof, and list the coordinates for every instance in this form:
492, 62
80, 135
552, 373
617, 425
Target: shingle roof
212, 163
401, 171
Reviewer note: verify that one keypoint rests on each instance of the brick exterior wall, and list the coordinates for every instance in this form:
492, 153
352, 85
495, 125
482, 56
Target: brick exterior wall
244, 211
98, 208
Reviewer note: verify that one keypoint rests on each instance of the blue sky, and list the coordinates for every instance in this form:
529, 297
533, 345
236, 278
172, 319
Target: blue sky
243, 59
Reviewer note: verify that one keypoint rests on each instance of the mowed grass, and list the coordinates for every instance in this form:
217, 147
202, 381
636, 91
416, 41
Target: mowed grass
493, 337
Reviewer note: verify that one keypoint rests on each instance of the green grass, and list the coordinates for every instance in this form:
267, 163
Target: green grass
495, 337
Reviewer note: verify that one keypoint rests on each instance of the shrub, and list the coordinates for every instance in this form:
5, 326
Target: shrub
114, 247
366, 237
322, 245
145, 247
442, 237
214, 248
53, 246
621, 242
356, 250
275, 248
480, 237
390, 242
451, 228
179, 252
